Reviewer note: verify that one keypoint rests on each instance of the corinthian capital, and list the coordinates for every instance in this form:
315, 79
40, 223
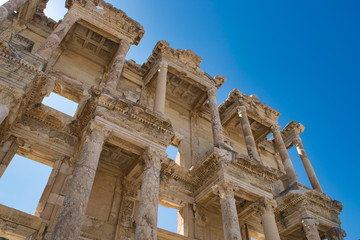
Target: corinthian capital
224, 189
275, 127
265, 206
163, 64
297, 140
310, 228
212, 92
153, 157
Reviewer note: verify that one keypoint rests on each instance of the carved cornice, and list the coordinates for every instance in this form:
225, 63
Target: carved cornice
310, 200
113, 18
264, 114
137, 112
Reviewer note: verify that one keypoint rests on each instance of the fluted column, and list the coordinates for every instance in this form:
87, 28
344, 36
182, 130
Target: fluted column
248, 134
54, 39
307, 165
281, 148
265, 208
310, 229
4, 112
118, 65
335, 234
215, 118
160, 93
146, 223
72, 213
9, 7
230, 219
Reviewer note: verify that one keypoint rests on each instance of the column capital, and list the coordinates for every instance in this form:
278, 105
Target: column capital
297, 140
265, 206
99, 129
224, 189
212, 91
153, 157
275, 127
163, 64
310, 228
241, 110
335, 234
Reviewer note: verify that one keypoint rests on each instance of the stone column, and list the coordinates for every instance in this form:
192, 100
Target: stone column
335, 234
310, 229
265, 208
160, 94
4, 112
244, 231
54, 39
307, 165
72, 213
215, 118
118, 65
248, 134
186, 221
230, 219
9, 7
281, 148
146, 223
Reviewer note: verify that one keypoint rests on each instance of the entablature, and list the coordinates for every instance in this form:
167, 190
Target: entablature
108, 18
290, 132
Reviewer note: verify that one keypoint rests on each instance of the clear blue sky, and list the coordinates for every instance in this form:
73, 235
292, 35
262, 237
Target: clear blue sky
299, 57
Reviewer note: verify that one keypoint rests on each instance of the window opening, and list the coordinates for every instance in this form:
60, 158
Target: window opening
55, 10
168, 218
61, 104
23, 183
173, 153
269, 136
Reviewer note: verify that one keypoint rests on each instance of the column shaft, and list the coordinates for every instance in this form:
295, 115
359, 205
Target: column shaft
9, 7
4, 112
281, 148
72, 213
160, 94
307, 165
215, 118
146, 223
310, 229
118, 65
265, 208
230, 219
248, 134
54, 39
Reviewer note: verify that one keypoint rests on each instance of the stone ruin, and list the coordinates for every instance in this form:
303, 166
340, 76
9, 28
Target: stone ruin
110, 170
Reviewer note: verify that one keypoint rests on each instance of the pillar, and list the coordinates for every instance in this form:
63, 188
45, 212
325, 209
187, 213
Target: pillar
335, 234
118, 65
186, 221
281, 148
307, 165
72, 213
230, 219
4, 112
215, 118
244, 230
54, 39
160, 94
9, 7
265, 208
7, 153
248, 134
146, 223
310, 229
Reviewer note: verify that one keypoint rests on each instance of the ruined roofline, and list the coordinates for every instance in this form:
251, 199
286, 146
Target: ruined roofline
116, 15
236, 95
293, 125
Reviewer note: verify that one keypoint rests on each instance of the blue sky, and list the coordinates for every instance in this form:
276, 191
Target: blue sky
299, 57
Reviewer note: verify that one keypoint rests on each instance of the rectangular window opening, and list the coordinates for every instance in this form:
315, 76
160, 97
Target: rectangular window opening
23, 183
61, 104
173, 153
168, 219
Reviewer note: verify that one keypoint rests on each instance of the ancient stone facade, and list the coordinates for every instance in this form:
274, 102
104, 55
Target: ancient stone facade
110, 167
